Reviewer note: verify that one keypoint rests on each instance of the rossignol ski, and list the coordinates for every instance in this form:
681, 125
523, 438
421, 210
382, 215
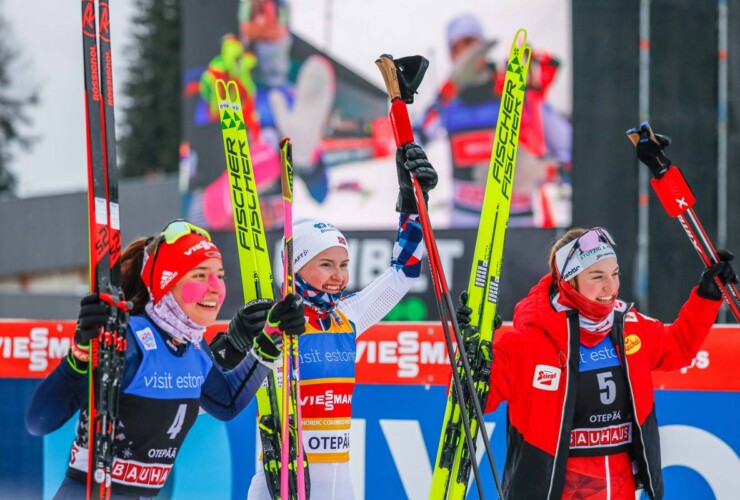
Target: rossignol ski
107, 351
678, 200
453, 463
255, 267
292, 427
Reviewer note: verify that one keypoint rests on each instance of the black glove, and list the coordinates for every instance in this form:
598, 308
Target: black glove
411, 158
463, 314
650, 148
463, 311
247, 323
287, 316
94, 314
723, 270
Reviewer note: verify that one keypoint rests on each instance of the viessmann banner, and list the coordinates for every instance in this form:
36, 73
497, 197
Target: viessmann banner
402, 374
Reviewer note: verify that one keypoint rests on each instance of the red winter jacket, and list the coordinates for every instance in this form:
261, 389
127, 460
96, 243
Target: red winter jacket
540, 421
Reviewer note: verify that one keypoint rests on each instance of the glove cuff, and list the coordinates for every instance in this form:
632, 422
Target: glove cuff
224, 351
80, 367
80, 352
237, 342
265, 347
406, 202
705, 293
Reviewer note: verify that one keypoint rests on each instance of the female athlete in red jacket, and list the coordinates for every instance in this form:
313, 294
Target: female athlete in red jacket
575, 372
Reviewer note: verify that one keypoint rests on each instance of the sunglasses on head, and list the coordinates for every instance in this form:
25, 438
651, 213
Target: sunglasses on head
588, 241
175, 230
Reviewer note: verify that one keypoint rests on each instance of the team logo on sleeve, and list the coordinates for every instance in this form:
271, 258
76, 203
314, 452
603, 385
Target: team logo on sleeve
546, 378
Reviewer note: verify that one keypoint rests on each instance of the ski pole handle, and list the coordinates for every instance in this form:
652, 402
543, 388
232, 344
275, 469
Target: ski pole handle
402, 77
678, 200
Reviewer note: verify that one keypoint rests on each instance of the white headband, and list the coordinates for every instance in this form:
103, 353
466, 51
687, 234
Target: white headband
593, 245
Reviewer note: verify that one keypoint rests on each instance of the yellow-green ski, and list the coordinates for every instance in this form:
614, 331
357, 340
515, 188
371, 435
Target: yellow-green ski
254, 261
453, 463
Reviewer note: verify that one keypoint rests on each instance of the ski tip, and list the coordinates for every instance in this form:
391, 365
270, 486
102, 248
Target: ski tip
220, 86
520, 38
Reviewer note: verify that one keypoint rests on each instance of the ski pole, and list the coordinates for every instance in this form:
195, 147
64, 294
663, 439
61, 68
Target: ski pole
400, 91
291, 369
678, 200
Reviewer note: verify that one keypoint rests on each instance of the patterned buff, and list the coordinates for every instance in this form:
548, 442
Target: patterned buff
168, 315
321, 302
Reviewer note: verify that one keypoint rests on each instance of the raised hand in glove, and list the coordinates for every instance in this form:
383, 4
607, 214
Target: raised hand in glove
94, 315
229, 348
723, 270
411, 158
287, 316
247, 323
650, 148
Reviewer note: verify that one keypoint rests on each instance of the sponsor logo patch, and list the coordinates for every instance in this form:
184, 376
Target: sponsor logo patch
546, 378
632, 344
147, 338
614, 435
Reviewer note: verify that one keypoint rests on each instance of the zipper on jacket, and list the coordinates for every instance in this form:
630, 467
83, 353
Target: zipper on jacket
634, 405
565, 403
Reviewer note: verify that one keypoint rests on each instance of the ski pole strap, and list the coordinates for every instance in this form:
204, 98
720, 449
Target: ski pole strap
122, 305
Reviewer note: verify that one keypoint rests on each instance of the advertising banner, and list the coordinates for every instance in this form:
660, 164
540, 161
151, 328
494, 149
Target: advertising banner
402, 375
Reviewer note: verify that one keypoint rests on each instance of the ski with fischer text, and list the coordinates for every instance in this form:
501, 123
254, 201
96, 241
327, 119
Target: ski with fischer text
256, 272
453, 463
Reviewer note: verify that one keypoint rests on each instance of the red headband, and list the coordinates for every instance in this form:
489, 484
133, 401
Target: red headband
174, 260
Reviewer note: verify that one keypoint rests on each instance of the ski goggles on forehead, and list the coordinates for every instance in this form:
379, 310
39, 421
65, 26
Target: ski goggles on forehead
593, 238
175, 230
179, 228
584, 245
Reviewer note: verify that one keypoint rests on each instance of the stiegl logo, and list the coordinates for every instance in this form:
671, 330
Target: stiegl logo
546, 378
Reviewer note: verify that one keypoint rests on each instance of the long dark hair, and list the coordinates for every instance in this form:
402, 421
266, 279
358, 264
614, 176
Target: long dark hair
132, 259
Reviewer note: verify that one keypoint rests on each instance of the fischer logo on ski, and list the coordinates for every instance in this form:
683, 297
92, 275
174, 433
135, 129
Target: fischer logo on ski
257, 283
454, 461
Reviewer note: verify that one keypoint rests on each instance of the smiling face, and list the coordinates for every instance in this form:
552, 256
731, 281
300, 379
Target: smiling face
599, 282
201, 292
328, 271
